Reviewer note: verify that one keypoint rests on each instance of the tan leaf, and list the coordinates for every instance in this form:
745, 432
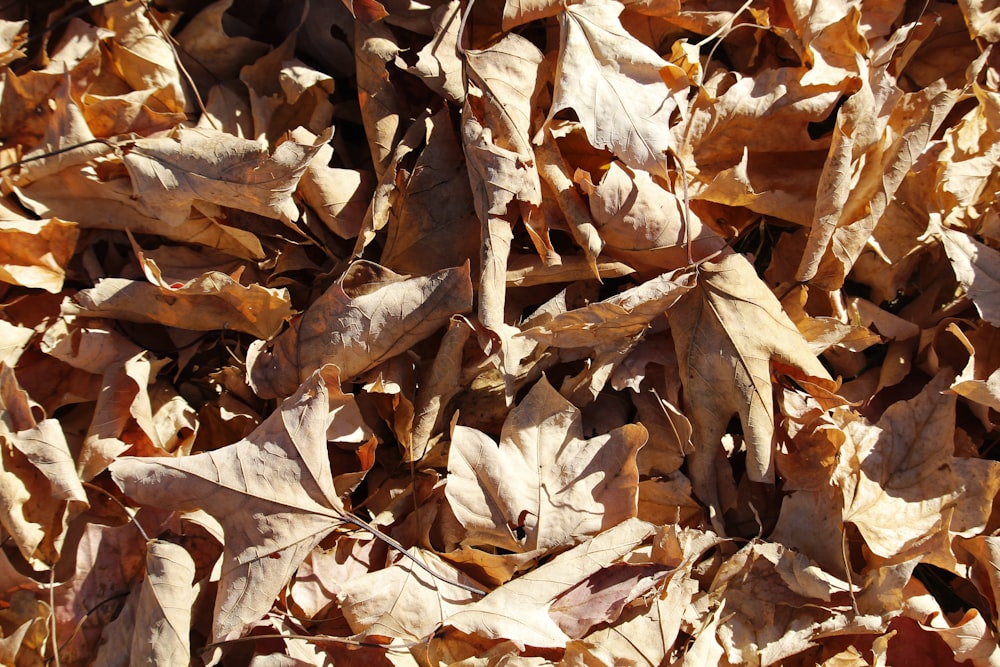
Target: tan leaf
977, 268
402, 601
371, 315
644, 224
622, 91
432, 225
213, 301
38, 483
35, 252
163, 616
521, 609
729, 330
170, 174
545, 480
94, 201
339, 196
273, 492
905, 485
616, 320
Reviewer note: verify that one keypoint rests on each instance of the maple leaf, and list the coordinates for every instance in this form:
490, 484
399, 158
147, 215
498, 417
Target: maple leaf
545, 479
273, 493
623, 92
728, 331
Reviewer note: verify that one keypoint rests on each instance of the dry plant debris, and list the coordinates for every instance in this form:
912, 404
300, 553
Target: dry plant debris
599, 333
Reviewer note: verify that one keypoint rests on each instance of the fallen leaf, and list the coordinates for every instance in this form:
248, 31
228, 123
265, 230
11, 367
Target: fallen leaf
379, 318
273, 493
170, 174
729, 330
545, 481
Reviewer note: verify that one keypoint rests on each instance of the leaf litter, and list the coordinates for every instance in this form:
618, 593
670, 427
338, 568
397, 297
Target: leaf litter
467, 333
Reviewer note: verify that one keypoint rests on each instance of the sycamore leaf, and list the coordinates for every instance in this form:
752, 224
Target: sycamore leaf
728, 330
380, 318
170, 173
163, 615
521, 610
977, 267
273, 493
545, 479
623, 92
907, 485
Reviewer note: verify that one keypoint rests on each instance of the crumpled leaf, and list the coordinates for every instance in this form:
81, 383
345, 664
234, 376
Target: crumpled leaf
170, 174
977, 268
729, 331
357, 326
545, 480
273, 493
38, 480
35, 252
207, 302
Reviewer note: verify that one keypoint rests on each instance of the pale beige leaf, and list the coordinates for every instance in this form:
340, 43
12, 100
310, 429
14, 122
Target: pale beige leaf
13, 339
520, 609
169, 174
908, 486
273, 493
977, 267
403, 601
622, 91
382, 315
545, 479
163, 615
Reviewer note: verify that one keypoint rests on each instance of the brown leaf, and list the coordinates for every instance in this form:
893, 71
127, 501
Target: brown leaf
38, 482
977, 268
356, 330
214, 301
545, 481
35, 252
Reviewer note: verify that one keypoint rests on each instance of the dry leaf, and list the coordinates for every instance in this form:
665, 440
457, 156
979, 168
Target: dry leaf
273, 493
384, 315
729, 330
545, 485
171, 174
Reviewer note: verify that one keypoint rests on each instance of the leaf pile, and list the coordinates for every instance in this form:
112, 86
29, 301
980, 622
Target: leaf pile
536, 333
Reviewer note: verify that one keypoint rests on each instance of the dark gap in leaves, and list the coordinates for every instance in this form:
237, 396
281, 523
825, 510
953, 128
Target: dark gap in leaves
942, 585
825, 126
